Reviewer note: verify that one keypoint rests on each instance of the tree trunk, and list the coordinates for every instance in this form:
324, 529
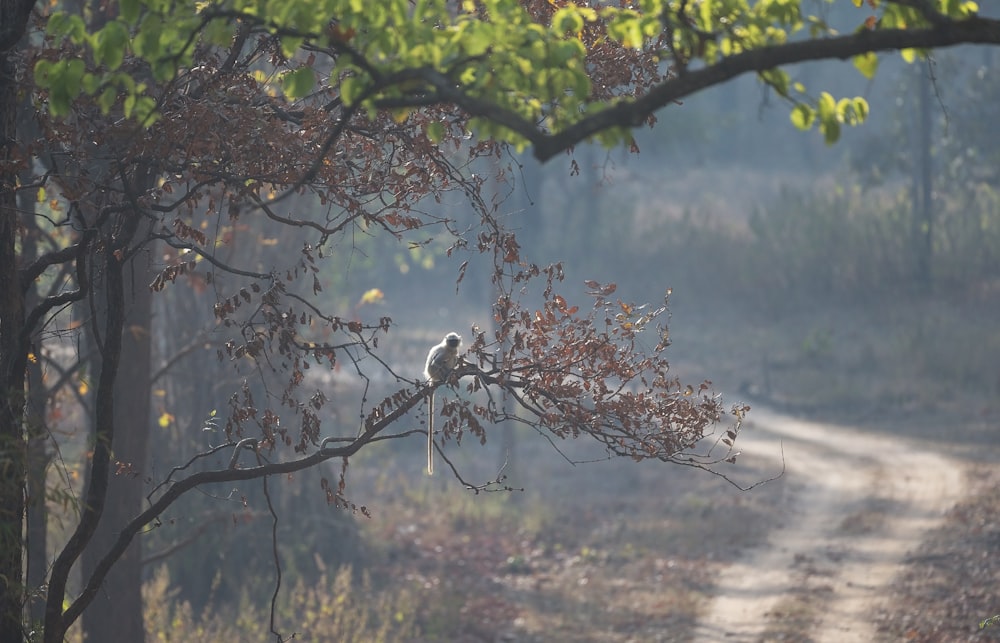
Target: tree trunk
13, 350
36, 435
38, 459
94, 501
923, 204
13, 357
116, 612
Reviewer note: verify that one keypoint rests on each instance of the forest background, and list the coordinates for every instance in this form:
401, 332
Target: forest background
858, 281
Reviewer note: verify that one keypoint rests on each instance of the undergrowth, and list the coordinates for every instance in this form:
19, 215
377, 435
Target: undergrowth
820, 304
339, 607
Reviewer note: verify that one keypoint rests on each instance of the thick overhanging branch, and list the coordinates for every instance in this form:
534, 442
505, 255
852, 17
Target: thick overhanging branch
633, 113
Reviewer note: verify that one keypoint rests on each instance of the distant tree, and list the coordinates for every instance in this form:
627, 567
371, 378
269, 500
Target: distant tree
171, 125
950, 166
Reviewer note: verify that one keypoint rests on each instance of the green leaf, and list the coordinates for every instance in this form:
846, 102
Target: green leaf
91, 83
778, 79
830, 130
867, 64
478, 38
565, 51
626, 27
827, 107
110, 43
845, 111
297, 84
351, 89
220, 32
852, 111
290, 45
65, 25
567, 20
64, 79
435, 131
43, 73
128, 10
861, 109
803, 116
145, 110
147, 37
107, 99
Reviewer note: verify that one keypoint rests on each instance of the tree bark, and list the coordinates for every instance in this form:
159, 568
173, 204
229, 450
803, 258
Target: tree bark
57, 622
13, 357
116, 613
36, 436
13, 349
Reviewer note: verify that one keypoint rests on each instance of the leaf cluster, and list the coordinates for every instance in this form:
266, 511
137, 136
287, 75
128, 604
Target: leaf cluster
523, 72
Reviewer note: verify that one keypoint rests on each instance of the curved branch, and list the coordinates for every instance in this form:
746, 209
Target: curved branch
171, 240
195, 345
496, 484
633, 113
215, 476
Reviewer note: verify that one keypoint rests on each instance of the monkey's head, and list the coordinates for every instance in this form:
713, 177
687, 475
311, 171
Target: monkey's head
453, 340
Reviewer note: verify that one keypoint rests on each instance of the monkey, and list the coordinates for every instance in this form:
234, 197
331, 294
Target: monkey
441, 361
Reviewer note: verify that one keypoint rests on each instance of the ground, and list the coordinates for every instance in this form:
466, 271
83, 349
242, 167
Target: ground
859, 503
881, 524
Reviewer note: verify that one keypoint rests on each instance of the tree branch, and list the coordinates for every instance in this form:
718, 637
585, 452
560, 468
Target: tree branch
178, 489
632, 114
943, 32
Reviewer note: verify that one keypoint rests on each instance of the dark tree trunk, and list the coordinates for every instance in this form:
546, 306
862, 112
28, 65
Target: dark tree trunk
13, 350
57, 621
116, 612
13, 357
36, 434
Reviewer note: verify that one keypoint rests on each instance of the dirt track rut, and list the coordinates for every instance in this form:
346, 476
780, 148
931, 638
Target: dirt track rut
856, 503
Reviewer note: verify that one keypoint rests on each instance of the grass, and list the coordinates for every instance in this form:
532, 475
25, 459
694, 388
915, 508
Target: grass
629, 555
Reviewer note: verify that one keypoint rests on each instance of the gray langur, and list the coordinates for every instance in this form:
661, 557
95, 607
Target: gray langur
441, 361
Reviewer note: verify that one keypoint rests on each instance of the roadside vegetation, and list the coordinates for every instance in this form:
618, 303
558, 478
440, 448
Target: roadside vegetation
605, 551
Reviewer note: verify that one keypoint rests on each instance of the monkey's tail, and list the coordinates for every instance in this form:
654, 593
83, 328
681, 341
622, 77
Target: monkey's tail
430, 438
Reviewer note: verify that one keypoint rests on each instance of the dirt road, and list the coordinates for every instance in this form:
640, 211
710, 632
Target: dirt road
855, 504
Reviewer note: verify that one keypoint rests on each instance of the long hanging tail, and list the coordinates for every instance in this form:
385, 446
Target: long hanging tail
430, 438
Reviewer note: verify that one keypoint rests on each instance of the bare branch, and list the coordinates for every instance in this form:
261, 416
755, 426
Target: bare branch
494, 485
